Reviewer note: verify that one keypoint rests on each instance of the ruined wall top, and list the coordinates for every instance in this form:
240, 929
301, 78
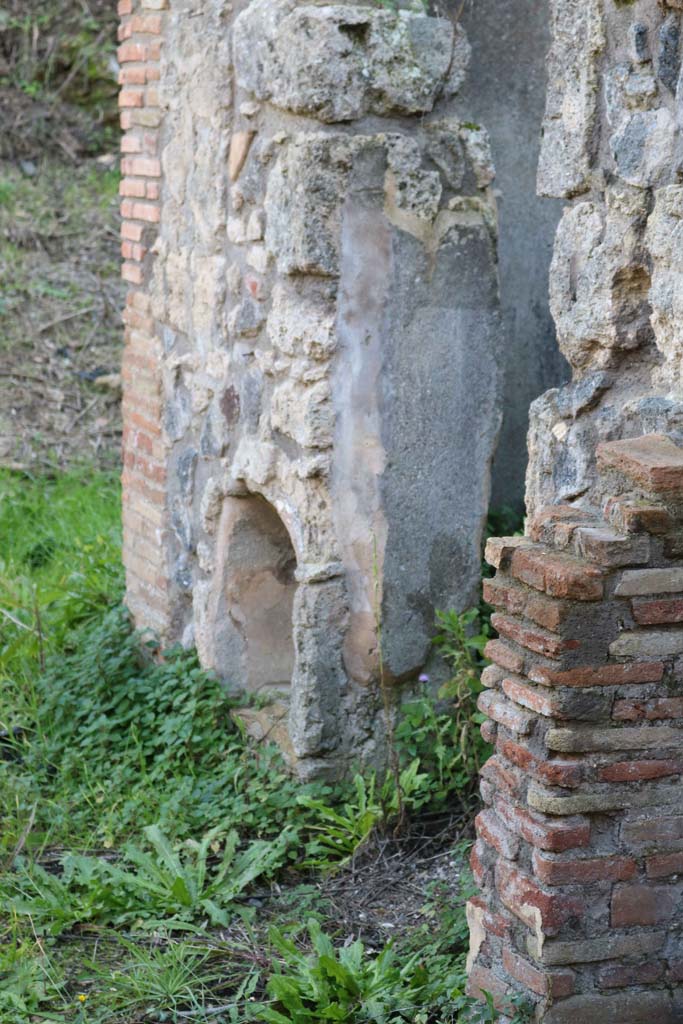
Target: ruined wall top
612, 145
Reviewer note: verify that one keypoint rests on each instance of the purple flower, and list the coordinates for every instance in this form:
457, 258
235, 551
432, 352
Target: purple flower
424, 678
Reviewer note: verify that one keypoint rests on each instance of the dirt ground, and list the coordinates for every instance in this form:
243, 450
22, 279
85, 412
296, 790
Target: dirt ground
60, 293
60, 321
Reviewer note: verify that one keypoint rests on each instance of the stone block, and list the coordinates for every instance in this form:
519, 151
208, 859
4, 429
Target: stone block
647, 644
605, 947
657, 737
572, 99
638, 582
338, 62
627, 1008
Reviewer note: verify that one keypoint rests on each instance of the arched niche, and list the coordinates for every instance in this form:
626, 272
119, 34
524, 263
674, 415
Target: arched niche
254, 614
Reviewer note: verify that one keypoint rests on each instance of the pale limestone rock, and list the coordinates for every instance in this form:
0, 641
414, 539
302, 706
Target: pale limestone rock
339, 62
665, 243
298, 325
599, 281
572, 98
305, 414
303, 204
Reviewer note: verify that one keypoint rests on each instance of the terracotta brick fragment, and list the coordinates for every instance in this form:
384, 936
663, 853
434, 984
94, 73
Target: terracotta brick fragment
548, 612
499, 775
504, 594
132, 188
483, 980
555, 984
624, 975
556, 835
491, 830
555, 524
633, 516
147, 212
540, 700
499, 550
637, 771
504, 655
661, 865
133, 232
132, 272
653, 613
147, 24
584, 871
132, 75
556, 574
131, 52
653, 830
505, 713
552, 771
648, 710
600, 675
527, 900
131, 98
141, 166
643, 905
653, 462
497, 924
560, 704
539, 641
609, 549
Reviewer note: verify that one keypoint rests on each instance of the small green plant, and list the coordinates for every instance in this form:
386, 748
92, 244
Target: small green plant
178, 976
162, 887
343, 829
331, 984
443, 736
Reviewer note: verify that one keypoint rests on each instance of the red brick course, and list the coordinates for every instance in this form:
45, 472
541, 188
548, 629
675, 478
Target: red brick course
596, 871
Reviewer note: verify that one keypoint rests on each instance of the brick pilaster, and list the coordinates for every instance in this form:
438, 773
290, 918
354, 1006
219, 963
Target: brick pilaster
579, 851
144, 450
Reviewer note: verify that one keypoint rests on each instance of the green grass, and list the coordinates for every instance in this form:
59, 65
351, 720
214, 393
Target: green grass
154, 864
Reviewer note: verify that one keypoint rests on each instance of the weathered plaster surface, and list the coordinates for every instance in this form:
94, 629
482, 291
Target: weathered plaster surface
506, 92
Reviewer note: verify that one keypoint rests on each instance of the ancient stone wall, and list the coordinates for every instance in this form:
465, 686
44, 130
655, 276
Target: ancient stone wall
612, 146
313, 347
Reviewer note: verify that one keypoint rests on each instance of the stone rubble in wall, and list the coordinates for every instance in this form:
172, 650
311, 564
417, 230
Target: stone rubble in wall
612, 145
266, 112
579, 851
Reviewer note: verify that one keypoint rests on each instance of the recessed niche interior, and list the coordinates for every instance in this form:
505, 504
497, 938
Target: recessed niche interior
260, 588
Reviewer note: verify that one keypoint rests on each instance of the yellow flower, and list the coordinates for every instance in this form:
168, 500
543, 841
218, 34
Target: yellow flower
82, 997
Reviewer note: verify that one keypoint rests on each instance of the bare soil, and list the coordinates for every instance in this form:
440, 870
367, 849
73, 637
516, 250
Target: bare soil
60, 321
